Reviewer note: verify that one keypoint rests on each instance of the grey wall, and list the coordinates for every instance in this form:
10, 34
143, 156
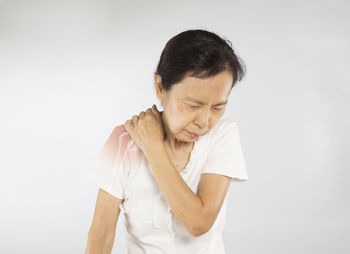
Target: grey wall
71, 70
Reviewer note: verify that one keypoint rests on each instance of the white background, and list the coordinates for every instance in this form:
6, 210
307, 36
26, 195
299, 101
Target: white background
72, 70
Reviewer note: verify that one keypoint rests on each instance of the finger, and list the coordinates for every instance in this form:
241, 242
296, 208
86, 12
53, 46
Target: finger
157, 114
155, 107
134, 119
128, 125
154, 113
142, 114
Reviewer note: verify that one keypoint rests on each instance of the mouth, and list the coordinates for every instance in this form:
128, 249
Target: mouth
192, 135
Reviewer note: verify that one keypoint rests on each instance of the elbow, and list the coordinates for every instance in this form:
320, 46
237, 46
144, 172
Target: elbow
198, 232
199, 229
200, 224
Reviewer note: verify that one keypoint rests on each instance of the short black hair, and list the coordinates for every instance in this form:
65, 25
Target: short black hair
198, 53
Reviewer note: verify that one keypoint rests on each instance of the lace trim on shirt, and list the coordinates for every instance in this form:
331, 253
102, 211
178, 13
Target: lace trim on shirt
147, 209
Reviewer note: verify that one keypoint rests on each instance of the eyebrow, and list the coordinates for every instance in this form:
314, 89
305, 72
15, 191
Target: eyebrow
202, 103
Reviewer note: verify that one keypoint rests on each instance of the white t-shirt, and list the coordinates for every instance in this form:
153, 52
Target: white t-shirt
122, 170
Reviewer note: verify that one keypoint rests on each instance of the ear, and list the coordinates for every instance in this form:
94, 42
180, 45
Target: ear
160, 93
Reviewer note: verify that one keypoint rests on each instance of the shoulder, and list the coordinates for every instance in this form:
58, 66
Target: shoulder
225, 126
121, 139
226, 123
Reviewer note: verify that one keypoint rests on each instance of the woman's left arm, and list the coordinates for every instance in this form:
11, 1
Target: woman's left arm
196, 212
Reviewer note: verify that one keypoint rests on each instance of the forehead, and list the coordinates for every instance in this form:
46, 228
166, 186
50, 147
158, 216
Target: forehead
219, 85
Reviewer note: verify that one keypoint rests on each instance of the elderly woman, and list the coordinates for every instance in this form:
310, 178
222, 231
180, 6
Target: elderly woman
170, 171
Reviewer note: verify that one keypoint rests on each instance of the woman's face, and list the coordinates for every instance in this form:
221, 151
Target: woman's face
194, 105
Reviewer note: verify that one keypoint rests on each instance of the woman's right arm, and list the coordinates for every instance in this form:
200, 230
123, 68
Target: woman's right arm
102, 231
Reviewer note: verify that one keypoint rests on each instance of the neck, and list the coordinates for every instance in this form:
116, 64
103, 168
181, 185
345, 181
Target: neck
170, 140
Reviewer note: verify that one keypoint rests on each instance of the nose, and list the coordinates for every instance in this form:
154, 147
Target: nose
202, 119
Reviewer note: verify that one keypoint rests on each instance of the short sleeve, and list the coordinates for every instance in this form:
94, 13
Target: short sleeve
225, 155
109, 170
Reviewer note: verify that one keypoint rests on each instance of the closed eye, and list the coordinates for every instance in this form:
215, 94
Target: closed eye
194, 107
